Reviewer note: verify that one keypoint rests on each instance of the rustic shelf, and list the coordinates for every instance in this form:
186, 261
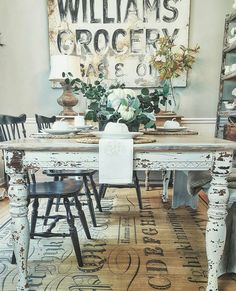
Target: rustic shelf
230, 48
231, 17
227, 113
231, 76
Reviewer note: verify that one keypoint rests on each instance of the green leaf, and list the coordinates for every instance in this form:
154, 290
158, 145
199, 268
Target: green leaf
94, 106
105, 113
166, 88
91, 115
149, 124
145, 91
67, 81
157, 110
135, 103
150, 116
72, 82
124, 102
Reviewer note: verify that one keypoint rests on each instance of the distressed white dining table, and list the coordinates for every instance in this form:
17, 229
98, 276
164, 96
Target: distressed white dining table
167, 153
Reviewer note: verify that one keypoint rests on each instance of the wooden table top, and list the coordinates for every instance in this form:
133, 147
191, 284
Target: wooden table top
163, 143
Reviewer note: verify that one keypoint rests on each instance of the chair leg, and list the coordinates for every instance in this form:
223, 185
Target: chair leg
34, 216
82, 217
57, 204
48, 210
58, 198
95, 193
13, 258
73, 232
102, 190
89, 201
138, 189
147, 175
165, 182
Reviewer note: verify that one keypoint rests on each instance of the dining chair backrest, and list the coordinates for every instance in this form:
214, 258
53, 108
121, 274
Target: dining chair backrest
44, 121
12, 127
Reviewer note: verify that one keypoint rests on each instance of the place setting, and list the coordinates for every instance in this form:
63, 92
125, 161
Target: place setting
170, 127
62, 129
114, 131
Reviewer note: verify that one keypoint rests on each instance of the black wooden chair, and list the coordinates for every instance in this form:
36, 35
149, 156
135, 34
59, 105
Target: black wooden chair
44, 122
11, 130
13, 127
63, 190
86, 175
136, 185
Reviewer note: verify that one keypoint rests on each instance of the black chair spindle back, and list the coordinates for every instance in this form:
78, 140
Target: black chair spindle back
12, 127
44, 121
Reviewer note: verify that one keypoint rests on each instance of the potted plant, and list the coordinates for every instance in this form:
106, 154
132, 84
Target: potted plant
172, 61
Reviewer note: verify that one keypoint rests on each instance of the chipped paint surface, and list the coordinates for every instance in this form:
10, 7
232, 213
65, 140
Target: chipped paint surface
142, 160
18, 161
13, 161
19, 210
218, 195
172, 161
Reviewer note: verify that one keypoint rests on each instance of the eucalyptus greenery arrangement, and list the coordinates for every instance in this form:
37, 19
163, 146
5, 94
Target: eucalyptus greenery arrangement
172, 61
151, 99
113, 102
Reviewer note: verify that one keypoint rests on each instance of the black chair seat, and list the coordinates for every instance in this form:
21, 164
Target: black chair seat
62, 173
66, 188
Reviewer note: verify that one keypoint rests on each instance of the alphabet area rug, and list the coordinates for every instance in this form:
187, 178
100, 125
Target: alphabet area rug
156, 248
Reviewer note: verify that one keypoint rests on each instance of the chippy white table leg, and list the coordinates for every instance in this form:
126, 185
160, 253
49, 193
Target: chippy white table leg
165, 182
18, 210
218, 195
147, 174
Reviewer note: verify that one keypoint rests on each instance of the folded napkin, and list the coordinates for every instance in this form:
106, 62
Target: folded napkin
115, 161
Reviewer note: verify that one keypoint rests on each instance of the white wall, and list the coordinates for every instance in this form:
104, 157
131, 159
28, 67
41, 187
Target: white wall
24, 61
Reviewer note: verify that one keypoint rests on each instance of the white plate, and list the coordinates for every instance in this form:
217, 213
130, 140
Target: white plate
161, 128
59, 131
103, 134
82, 126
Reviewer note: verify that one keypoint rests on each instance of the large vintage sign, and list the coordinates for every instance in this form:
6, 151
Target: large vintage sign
117, 37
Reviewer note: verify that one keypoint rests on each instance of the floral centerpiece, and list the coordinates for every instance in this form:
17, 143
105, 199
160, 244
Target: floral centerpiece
123, 104
172, 61
113, 102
